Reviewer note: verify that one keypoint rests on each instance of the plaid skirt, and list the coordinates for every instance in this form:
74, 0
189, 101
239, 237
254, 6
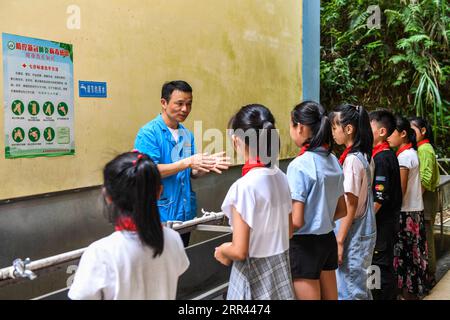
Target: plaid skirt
261, 279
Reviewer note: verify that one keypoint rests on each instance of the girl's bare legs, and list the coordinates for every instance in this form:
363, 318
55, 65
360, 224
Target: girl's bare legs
328, 286
307, 289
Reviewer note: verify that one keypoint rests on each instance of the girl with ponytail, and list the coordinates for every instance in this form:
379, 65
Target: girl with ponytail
316, 183
429, 177
356, 233
141, 259
258, 206
410, 251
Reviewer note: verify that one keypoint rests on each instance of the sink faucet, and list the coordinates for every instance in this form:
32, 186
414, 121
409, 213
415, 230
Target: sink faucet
20, 269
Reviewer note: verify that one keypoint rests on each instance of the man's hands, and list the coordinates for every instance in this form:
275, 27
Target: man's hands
202, 163
222, 162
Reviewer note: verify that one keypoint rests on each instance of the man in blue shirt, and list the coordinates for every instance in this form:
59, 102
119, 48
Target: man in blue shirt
171, 146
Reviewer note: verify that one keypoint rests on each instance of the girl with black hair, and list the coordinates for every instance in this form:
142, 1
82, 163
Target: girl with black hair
141, 259
356, 232
429, 177
316, 182
410, 251
258, 206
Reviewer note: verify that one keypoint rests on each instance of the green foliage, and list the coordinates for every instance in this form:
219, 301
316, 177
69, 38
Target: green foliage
403, 66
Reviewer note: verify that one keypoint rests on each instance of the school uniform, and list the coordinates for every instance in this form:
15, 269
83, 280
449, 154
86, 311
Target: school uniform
359, 244
410, 251
120, 267
388, 193
262, 198
316, 179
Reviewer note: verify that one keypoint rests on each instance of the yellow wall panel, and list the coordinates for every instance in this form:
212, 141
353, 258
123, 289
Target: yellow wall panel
232, 52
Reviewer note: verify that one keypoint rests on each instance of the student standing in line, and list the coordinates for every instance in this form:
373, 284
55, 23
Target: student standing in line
316, 182
429, 177
387, 193
410, 251
259, 207
356, 232
142, 259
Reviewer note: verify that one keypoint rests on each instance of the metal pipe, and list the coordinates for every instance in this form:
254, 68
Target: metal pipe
12, 272
8, 273
213, 228
207, 217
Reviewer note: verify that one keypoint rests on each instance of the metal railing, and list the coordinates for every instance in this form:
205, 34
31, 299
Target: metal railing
445, 160
444, 183
25, 269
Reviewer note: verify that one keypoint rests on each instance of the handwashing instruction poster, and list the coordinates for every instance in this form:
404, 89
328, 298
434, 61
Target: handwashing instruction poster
38, 97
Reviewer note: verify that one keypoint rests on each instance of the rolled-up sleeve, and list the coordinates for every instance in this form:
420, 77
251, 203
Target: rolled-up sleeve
243, 200
147, 141
300, 183
353, 175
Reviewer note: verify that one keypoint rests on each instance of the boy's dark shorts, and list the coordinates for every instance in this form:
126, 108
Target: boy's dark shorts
311, 254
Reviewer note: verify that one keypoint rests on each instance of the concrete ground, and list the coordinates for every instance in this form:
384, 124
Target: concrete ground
442, 265
441, 291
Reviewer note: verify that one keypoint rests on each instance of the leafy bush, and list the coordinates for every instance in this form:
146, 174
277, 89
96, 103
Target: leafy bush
403, 65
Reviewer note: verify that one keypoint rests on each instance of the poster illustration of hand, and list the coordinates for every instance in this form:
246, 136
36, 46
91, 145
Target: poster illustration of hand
38, 97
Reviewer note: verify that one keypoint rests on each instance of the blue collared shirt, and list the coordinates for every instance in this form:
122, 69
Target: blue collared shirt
177, 201
317, 180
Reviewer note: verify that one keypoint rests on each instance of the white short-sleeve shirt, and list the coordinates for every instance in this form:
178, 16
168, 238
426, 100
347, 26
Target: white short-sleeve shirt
263, 199
355, 181
120, 267
412, 200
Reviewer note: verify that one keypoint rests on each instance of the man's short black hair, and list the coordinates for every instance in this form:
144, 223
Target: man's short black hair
385, 119
171, 86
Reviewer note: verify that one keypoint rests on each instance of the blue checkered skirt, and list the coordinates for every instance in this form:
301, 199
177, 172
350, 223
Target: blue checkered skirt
261, 279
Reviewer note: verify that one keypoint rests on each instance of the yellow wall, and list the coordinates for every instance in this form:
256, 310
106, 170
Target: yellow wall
232, 52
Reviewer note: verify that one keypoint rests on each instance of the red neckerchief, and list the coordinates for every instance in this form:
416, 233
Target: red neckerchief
422, 142
380, 147
306, 147
303, 149
249, 166
405, 147
125, 223
344, 155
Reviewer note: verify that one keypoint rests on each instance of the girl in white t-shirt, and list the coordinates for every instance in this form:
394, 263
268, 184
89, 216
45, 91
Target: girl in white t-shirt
411, 250
356, 232
141, 259
258, 206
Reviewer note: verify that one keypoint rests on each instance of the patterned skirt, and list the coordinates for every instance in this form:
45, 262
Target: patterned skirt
261, 279
411, 254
